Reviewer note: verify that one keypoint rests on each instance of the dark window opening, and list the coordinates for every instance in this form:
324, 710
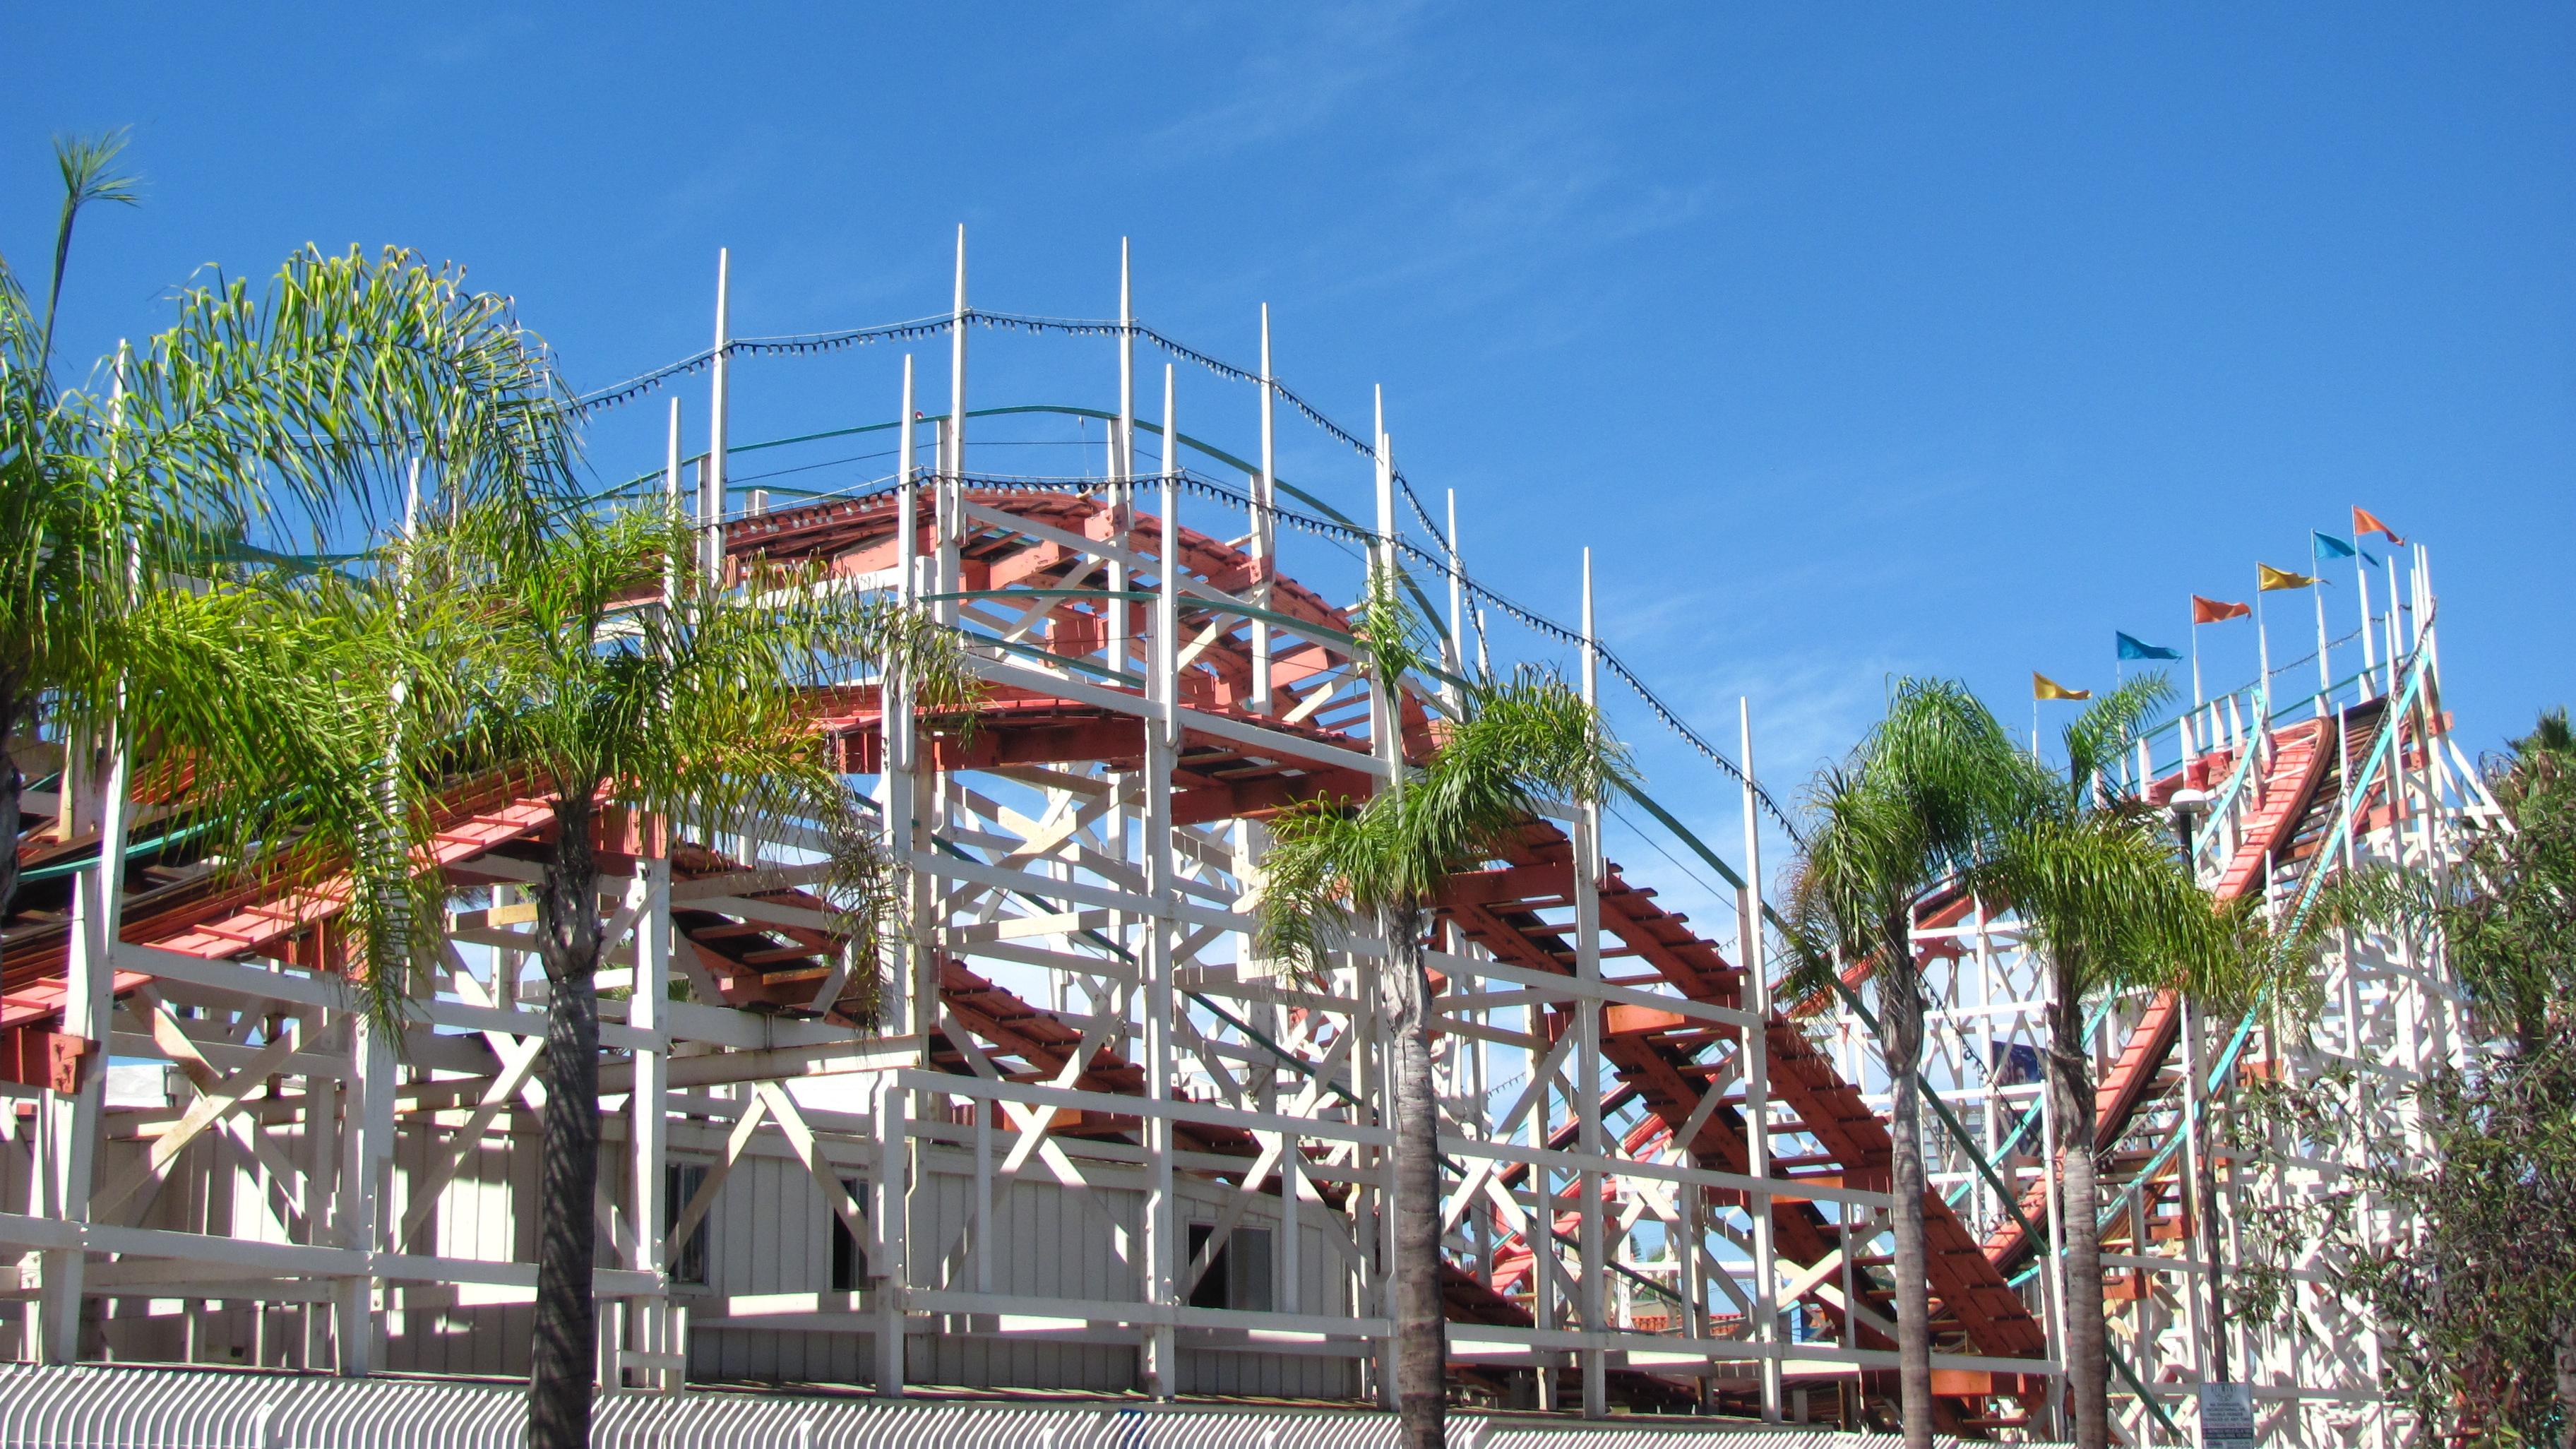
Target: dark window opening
1239, 1276
680, 1183
849, 1255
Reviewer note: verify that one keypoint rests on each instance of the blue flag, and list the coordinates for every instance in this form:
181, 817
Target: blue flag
2325, 545
2132, 649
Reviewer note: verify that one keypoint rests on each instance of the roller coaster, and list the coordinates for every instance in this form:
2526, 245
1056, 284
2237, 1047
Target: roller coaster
1093, 1141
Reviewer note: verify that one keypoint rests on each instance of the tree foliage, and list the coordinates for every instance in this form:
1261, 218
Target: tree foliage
298, 409
2461, 1242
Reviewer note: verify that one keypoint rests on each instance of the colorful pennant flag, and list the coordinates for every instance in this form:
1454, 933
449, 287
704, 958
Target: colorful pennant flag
2365, 522
2043, 687
2211, 611
2272, 580
2132, 648
2323, 546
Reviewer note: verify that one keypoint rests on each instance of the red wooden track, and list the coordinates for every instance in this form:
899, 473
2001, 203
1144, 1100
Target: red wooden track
2291, 789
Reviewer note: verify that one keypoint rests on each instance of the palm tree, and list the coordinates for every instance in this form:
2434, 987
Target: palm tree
1514, 746
316, 714
692, 714
2107, 906
296, 406
1905, 814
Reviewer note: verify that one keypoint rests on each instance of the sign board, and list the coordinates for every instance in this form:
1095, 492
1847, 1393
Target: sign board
2226, 1416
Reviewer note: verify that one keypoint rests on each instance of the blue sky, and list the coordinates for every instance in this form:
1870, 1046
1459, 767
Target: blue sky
1854, 341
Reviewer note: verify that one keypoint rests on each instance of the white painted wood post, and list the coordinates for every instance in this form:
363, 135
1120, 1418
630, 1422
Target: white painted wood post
72, 1122
1593, 1303
648, 1126
366, 1158
1264, 526
1453, 652
321, 1152
1386, 738
69, 1147
1162, 741
916, 999
711, 478
1122, 472
952, 453
1750, 950
888, 1208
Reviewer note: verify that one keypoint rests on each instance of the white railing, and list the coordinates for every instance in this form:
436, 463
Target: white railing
94, 1407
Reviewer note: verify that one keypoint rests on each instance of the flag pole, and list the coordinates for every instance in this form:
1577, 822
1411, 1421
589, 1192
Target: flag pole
2361, 586
2393, 620
2196, 700
2263, 659
2325, 673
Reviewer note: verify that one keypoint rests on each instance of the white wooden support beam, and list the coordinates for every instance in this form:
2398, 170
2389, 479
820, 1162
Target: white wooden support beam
1264, 527
1159, 1260
1755, 1060
711, 476
1592, 1246
366, 1139
889, 1261
648, 1125
67, 1147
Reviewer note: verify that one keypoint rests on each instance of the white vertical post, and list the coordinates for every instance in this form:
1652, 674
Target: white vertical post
1122, 471
1587, 1043
1161, 741
648, 1128
1455, 655
916, 988
888, 1191
2053, 1280
2262, 701
957, 367
366, 1178
321, 1154
2325, 670
2394, 611
1749, 946
1386, 739
366, 1155
73, 1121
952, 460
1264, 525
1385, 461
671, 467
711, 478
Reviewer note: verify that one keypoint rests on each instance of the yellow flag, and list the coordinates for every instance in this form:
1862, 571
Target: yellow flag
2043, 687
2270, 579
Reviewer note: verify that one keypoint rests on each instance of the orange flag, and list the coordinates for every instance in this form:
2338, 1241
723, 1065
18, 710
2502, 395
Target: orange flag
2210, 611
2365, 521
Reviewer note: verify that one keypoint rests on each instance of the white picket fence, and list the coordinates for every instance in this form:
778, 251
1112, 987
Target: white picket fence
94, 1407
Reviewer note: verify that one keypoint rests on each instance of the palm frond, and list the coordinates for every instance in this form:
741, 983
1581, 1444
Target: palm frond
84, 163
2108, 726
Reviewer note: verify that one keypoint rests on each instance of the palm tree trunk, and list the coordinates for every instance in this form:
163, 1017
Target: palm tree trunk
2070, 1085
1421, 1325
1901, 1003
562, 1361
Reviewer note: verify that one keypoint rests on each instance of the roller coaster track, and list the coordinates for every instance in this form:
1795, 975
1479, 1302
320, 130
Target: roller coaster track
2291, 785
492, 830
